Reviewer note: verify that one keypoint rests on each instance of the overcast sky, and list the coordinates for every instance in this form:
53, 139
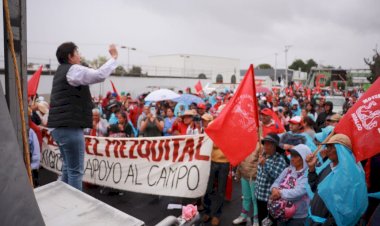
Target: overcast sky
339, 32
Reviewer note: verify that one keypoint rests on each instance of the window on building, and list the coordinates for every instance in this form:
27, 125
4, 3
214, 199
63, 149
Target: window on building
202, 76
233, 79
219, 78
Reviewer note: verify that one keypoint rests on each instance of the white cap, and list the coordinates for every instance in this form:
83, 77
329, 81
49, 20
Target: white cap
295, 120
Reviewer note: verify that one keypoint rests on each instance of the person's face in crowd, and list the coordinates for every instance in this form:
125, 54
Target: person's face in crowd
113, 109
309, 107
120, 118
269, 148
294, 106
181, 108
205, 123
146, 110
95, 116
126, 104
327, 108
34, 106
75, 57
304, 113
169, 113
275, 103
286, 109
193, 107
321, 102
288, 99
296, 161
295, 128
266, 119
201, 111
187, 119
331, 153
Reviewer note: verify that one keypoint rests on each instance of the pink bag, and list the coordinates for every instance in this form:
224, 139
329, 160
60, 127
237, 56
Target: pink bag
282, 209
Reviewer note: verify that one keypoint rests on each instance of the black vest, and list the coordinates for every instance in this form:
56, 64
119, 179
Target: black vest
70, 106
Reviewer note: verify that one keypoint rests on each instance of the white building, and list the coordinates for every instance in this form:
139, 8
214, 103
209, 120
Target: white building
220, 70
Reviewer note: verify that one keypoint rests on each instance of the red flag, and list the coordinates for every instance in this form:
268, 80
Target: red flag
198, 87
115, 91
235, 130
335, 85
298, 85
362, 124
308, 93
33, 82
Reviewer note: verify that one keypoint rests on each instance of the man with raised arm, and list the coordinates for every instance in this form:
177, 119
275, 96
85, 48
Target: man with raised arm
71, 107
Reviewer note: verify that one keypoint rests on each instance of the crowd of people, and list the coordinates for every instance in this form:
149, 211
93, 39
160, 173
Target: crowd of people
273, 178
285, 181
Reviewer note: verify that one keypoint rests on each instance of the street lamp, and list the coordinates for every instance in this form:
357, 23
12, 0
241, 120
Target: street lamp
184, 63
287, 47
128, 48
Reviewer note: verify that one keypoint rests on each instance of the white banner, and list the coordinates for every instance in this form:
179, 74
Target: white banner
170, 166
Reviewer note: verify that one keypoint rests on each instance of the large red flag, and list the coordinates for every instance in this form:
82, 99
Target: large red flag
235, 130
198, 87
362, 124
115, 91
33, 82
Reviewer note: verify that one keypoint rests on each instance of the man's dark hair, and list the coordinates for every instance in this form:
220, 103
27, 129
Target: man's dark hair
64, 50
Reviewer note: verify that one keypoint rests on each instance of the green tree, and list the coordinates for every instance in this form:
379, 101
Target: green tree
120, 71
136, 70
297, 64
374, 66
96, 63
309, 64
264, 66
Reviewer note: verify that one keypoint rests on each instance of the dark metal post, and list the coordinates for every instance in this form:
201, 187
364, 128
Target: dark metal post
17, 11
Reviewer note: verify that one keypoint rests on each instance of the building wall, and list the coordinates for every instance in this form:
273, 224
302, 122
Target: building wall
187, 65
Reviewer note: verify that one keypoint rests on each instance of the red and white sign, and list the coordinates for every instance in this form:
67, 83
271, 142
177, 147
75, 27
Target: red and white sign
170, 166
362, 124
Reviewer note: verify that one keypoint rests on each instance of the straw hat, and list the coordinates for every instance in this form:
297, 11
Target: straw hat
340, 139
334, 118
189, 113
207, 117
43, 107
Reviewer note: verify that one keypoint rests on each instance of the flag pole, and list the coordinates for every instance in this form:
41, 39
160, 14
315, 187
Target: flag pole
320, 145
259, 129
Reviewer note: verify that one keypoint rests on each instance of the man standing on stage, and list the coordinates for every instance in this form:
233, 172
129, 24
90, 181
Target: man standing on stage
71, 107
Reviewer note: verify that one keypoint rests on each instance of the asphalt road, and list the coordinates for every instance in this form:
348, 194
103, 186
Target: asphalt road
151, 208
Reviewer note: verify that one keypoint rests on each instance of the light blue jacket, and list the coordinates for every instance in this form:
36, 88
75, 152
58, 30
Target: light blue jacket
297, 194
35, 150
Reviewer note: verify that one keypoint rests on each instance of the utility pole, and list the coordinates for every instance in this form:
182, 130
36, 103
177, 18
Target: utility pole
287, 47
275, 67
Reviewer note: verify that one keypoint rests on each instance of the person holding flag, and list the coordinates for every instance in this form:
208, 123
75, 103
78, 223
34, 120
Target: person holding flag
235, 130
214, 198
246, 173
